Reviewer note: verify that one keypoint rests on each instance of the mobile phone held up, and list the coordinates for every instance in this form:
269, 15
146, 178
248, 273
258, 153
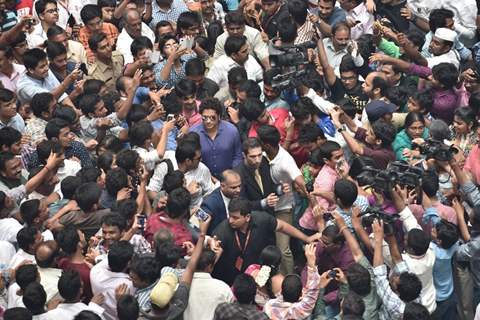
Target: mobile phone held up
186, 43
201, 215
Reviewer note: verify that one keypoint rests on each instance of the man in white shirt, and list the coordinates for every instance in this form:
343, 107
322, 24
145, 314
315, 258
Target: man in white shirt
106, 276
45, 256
235, 26
133, 28
237, 54
48, 15
206, 293
358, 18
28, 239
442, 49
283, 169
70, 288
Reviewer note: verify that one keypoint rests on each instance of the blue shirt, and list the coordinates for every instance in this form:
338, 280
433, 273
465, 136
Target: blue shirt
442, 271
173, 78
223, 152
141, 95
338, 15
172, 14
172, 135
27, 87
75, 149
16, 123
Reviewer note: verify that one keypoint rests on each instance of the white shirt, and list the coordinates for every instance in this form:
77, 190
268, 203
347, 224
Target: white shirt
221, 66
105, 281
69, 168
226, 202
37, 37
150, 157
125, 40
256, 46
13, 299
422, 8
73, 6
203, 177
335, 57
9, 228
360, 13
206, 293
27, 87
284, 169
449, 57
19, 257
68, 311
7, 251
49, 280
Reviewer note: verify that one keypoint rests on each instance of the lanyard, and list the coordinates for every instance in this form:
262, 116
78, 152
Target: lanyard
242, 250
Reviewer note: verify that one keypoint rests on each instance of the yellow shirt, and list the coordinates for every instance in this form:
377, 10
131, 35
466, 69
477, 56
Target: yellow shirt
107, 73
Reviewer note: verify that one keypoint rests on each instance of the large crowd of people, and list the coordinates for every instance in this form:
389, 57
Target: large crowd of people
226, 159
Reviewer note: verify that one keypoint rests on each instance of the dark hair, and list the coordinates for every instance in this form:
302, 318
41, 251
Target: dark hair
380, 83
40, 103
54, 30
87, 195
252, 109
233, 44
55, 49
185, 88
146, 268
140, 132
89, 174
115, 180
291, 288
328, 148
163, 40
310, 133
173, 180
211, 104
234, 18
26, 274
346, 192
384, 131
418, 241
139, 44
467, 115
167, 253
127, 159
332, 232
95, 39
416, 37
214, 30
340, 26
415, 311
187, 20
88, 102
65, 113
244, 288
9, 136
268, 135
424, 99
447, 232
413, 117
353, 304
347, 65
195, 67
34, 298
186, 150
4, 157
53, 127
87, 315
33, 57
446, 74
68, 186
6, 95
250, 143
127, 208
430, 183
236, 75
438, 18
268, 76
46, 147
286, 28
127, 308
26, 237
90, 12
251, 88
178, 203
29, 210
17, 314
105, 160
119, 256
359, 279
409, 286
69, 285
206, 259
115, 220
239, 205
298, 10
271, 256
107, 3
41, 5
92, 86
303, 108
68, 239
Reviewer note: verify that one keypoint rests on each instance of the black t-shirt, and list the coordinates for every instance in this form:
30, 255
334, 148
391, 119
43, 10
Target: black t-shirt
270, 24
392, 13
262, 233
176, 307
356, 96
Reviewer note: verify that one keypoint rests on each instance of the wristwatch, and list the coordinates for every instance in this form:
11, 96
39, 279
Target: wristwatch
341, 129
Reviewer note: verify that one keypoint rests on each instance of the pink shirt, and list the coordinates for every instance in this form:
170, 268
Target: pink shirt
472, 164
10, 82
325, 181
444, 212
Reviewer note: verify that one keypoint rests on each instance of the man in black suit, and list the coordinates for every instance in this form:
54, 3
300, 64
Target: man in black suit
257, 184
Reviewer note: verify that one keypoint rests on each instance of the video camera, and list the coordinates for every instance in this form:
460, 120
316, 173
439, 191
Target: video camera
289, 59
433, 149
372, 213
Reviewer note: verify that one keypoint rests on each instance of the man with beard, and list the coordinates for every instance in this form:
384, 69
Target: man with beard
328, 16
347, 86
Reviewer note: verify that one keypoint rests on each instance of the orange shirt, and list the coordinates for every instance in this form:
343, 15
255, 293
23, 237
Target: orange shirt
110, 31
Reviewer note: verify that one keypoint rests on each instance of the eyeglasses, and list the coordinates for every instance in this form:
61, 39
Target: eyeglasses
209, 118
51, 11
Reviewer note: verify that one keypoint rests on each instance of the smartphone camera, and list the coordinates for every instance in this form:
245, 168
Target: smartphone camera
170, 117
332, 274
202, 215
279, 190
141, 221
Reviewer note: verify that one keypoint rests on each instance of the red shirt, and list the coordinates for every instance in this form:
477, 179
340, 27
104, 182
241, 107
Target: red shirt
160, 220
24, 8
277, 119
84, 270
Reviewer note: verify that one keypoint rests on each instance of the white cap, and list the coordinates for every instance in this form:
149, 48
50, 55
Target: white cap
446, 34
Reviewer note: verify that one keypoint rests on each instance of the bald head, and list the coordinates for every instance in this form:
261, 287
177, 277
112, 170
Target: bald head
46, 253
133, 23
375, 85
231, 184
